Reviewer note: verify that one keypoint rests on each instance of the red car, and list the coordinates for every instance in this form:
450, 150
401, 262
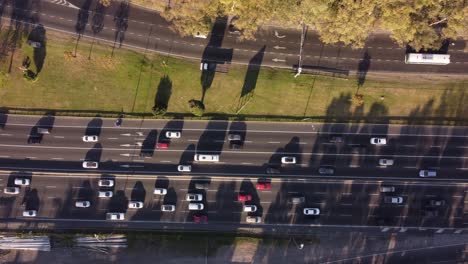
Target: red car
244, 197
200, 218
162, 145
263, 186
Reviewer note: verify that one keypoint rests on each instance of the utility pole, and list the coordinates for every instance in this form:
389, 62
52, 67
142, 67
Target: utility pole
303, 35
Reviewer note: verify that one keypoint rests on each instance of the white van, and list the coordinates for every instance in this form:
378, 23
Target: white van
207, 158
195, 206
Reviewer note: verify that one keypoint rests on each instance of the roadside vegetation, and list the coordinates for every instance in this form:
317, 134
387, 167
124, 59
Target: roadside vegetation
420, 24
133, 83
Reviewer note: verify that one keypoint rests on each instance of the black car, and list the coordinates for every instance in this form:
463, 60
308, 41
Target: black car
335, 139
325, 170
235, 145
34, 140
272, 170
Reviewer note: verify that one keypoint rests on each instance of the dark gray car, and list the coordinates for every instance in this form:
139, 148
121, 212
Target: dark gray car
324, 170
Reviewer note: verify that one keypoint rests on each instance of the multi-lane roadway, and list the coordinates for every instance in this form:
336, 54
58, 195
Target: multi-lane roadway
352, 197
274, 47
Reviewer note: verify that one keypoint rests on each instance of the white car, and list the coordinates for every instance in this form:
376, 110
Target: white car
106, 183
253, 219
22, 181
378, 141
199, 35
90, 164
311, 211
385, 162
172, 134
11, 190
184, 168
393, 199
29, 213
288, 160
105, 194
250, 208
160, 191
90, 138
195, 206
135, 205
194, 197
427, 173
115, 216
168, 208
82, 204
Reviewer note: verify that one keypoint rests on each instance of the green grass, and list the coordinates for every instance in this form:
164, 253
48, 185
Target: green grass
128, 82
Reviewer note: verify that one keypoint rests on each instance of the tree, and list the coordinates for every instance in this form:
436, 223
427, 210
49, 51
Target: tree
159, 110
197, 108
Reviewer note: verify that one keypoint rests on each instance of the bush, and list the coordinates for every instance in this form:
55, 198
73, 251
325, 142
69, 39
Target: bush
159, 110
30, 76
197, 108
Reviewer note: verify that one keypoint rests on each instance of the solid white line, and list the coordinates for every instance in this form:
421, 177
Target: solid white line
192, 140
51, 186
57, 158
59, 137
5, 134
354, 166
112, 138
246, 163
31, 157
274, 142
166, 161
4, 156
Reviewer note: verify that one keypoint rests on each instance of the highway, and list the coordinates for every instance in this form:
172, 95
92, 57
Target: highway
274, 47
119, 149
344, 204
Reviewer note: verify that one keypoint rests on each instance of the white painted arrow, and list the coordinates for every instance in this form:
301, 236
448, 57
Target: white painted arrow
127, 135
131, 166
278, 47
278, 60
278, 36
139, 134
129, 155
126, 145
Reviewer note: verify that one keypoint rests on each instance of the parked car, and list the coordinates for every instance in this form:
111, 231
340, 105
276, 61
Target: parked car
393, 199
105, 194
385, 162
22, 181
253, 219
387, 189
234, 137
184, 168
244, 197
173, 134
264, 186
196, 206
29, 213
249, 208
115, 216
162, 145
193, 197
297, 199
135, 205
168, 208
427, 173
90, 164
160, 191
378, 141
436, 203
326, 170
82, 204
288, 160
106, 183
11, 190
202, 186
90, 138
311, 211
200, 218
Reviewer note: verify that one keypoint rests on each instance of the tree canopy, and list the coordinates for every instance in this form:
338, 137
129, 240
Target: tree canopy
422, 24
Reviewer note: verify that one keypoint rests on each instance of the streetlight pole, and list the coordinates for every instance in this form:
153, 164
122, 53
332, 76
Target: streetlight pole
303, 35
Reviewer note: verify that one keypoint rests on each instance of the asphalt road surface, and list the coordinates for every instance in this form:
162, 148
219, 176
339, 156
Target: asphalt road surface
342, 204
131, 148
274, 47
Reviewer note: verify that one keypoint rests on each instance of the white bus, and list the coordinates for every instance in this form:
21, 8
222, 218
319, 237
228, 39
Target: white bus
431, 59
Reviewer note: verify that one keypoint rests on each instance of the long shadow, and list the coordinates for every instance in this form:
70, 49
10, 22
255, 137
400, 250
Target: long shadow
97, 23
31, 200
37, 38
118, 202
251, 76
212, 139
213, 52
238, 128
94, 127
82, 20
295, 149
149, 144
363, 68
187, 156
95, 153
45, 122
138, 194
3, 120
163, 94
174, 125
121, 23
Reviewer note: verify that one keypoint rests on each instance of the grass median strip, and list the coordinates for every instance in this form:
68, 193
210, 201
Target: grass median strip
129, 81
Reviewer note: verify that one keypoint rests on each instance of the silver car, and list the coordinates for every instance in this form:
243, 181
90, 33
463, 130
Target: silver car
115, 216
311, 211
393, 199
193, 197
30, 213
385, 162
378, 141
160, 191
253, 219
288, 160
90, 164
168, 208
172, 134
90, 138
232, 137
387, 189
249, 208
82, 204
22, 181
106, 183
184, 168
135, 205
105, 194
427, 173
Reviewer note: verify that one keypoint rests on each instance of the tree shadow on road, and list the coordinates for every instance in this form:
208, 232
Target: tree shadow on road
94, 127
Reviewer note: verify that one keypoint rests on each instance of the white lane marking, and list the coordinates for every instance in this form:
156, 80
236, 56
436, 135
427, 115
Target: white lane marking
31, 157
4, 156
192, 140
51, 186
302, 143
59, 137
51, 197
274, 142
409, 167
166, 161
246, 163
247, 141
57, 158
5, 134
219, 141
347, 204
138, 160
354, 166
462, 168
112, 138
78, 187
346, 193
